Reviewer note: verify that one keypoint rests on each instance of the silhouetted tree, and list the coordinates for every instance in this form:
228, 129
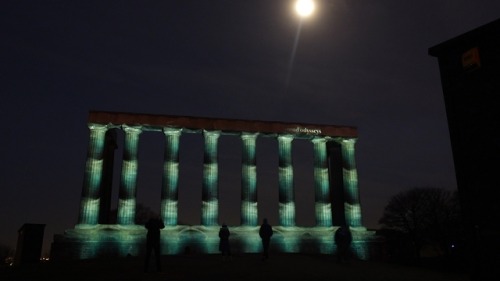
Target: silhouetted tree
5, 251
422, 216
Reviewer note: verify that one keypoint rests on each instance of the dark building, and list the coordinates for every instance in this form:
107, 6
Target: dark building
470, 76
29, 243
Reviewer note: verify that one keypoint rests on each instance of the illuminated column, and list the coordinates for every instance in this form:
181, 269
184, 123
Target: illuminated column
128, 182
323, 206
169, 192
248, 181
89, 206
352, 207
210, 196
286, 192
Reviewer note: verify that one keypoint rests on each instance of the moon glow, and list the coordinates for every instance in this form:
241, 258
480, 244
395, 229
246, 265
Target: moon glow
304, 7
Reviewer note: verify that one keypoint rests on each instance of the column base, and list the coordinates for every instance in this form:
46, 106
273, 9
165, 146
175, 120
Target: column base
84, 242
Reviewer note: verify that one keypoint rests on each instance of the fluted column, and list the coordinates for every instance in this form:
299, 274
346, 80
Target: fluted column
128, 181
286, 191
89, 205
352, 205
249, 181
169, 192
210, 189
323, 206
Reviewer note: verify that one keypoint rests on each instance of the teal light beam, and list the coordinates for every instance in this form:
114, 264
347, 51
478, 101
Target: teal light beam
352, 205
249, 210
323, 206
169, 192
89, 205
210, 203
286, 191
128, 181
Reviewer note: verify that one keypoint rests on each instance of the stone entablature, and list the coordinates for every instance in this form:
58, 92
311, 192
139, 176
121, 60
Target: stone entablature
158, 122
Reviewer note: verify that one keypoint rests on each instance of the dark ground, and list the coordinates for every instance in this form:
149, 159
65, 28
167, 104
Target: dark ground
241, 267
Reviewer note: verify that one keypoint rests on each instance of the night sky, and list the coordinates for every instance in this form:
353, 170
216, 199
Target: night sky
357, 63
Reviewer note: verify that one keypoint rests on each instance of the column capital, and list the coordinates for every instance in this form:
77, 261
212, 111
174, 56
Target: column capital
96, 126
212, 133
320, 139
172, 131
286, 137
132, 129
247, 135
345, 140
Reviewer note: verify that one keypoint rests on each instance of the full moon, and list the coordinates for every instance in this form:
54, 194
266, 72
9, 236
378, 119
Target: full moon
304, 7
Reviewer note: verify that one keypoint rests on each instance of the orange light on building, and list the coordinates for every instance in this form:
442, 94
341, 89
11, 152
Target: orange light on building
471, 60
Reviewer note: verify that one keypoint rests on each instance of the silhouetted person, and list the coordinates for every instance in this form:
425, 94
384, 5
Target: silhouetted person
153, 225
343, 239
224, 246
265, 233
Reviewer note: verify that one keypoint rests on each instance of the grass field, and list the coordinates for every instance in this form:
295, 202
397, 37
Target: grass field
240, 267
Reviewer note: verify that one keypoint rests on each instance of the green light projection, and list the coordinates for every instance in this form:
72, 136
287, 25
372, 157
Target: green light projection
89, 206
128, 183
352, 206
247, 238
286, 191
323, 207
249, 213
127, 238
169, 194
116, 240
286, 239
210, 190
